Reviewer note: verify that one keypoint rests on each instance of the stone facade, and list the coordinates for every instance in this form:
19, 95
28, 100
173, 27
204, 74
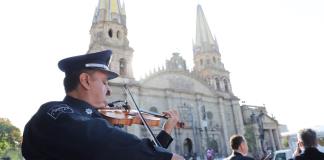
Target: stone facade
263, 129
109, 31
203, 97
209, 115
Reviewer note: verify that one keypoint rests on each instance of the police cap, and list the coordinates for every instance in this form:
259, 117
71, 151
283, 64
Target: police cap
98, 60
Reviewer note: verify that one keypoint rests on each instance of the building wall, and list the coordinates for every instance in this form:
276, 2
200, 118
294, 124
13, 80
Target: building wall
197, 104
262, 123
204, 97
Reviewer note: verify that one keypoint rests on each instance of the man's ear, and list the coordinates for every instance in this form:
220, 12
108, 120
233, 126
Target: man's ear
84, 81
240, 147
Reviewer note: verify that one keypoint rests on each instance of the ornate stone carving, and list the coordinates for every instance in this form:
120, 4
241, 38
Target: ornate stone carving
180, 83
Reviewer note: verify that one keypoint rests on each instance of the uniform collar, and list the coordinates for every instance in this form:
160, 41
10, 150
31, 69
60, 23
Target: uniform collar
237, 153
81, 105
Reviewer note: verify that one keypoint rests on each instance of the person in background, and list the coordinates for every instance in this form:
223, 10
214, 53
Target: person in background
239, 147
307, 146
210, 154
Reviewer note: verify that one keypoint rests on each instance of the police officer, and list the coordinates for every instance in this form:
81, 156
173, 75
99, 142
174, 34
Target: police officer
74, 129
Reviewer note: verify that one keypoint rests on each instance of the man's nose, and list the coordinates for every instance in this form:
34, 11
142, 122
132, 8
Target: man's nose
108, 93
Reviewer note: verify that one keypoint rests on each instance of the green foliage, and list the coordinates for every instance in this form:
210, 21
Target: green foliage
321, 141
250, 137
285, 142
14, 154
10, 137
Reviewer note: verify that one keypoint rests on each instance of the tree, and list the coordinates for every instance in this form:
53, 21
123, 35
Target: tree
250, 137
285, 142
10, 136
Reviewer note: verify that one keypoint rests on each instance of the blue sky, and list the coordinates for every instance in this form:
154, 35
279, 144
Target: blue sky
273, 49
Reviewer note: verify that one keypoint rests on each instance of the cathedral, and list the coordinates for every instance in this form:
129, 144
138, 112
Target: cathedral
203, 97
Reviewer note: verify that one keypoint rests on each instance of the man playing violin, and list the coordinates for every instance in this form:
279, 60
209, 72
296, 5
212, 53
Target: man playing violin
74, 129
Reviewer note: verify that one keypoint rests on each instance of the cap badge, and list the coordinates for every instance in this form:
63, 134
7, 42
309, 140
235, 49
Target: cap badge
88, 111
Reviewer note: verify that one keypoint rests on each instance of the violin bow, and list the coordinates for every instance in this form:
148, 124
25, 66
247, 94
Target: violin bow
156, 142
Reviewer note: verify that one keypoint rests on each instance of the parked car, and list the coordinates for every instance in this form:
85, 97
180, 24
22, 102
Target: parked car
285, 154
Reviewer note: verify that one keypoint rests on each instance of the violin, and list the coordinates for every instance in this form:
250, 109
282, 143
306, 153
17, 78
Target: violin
125, 116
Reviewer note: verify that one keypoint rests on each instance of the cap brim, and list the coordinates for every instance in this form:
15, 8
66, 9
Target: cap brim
111, 74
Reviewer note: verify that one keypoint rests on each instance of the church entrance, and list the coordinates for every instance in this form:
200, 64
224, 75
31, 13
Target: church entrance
187, 147
213, 145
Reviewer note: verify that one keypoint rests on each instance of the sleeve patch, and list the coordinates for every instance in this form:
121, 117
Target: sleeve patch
57, 110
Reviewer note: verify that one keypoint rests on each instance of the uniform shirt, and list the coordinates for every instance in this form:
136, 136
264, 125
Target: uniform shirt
238, 156
310, 154
73, 129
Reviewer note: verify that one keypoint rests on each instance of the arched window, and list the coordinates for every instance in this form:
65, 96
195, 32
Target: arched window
187, 146
110, 33
226, 85
217, 84
214, 59
213, 145
119, 35
201, 62
122, 67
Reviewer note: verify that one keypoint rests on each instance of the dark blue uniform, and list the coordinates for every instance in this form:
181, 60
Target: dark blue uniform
311, 154
73, 129
238, 156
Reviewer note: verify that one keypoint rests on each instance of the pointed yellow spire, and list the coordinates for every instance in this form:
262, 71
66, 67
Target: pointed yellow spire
102, 4
108, 10
114, 7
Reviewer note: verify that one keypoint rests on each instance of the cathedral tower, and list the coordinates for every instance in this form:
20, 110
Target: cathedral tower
208, 65
207, 58
109, 31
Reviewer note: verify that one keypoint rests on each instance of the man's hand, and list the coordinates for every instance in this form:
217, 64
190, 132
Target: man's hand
177, 157
298, 150
173, 119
